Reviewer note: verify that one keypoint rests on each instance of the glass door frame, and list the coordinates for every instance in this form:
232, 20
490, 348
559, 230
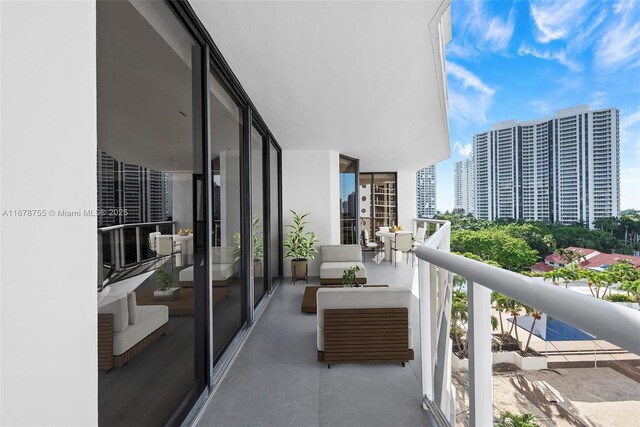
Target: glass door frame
212, 61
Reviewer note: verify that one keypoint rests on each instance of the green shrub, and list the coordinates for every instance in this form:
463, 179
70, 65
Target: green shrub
509, 419
619, 298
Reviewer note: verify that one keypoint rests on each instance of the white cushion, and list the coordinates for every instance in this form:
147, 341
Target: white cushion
340, 253
117, 305
219, 272
132, 306
335, 270
150, 318
360, 298
222, 255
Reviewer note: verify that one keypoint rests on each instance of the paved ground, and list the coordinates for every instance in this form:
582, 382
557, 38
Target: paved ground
276, 380
562, 397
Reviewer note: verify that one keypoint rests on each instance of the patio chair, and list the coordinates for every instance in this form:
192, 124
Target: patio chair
165, 246
368, 244
402, 243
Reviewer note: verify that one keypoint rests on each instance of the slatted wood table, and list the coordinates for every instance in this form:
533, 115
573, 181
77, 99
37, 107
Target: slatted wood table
309, 304
366, 335
183, 305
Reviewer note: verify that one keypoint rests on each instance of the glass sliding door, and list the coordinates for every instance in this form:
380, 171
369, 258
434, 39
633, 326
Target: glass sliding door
378, 201
257, 213
349, 204
150, 174
275, 245
227, 286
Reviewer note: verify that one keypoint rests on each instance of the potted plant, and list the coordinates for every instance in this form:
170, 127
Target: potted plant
349, 277
258, 245
166, 291
300, 247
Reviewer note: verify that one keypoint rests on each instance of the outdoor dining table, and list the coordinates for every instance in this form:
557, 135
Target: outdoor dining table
388, 238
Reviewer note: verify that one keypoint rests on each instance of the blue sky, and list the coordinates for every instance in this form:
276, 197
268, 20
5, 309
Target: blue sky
526, 60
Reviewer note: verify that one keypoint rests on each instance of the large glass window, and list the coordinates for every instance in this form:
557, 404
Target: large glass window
257, 213
378, 201
152, 303
227, 286
349, 200
275, 257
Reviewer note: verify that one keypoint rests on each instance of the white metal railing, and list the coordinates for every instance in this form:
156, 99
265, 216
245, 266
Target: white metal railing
602, 319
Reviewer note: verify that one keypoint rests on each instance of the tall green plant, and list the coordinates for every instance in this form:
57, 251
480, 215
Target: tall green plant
300, 244
256, 239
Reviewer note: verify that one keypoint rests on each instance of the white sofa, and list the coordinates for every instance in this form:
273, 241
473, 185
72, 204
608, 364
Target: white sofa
374, 301
336, 258
125, 328
223, 267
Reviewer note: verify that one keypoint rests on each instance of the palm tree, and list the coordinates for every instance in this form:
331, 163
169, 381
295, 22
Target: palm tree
536, 316
570, 255
591, 277
569, 274
549, 241
554, 275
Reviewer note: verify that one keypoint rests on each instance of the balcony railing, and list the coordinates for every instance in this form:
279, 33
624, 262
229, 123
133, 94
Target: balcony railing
121, 247
602, 319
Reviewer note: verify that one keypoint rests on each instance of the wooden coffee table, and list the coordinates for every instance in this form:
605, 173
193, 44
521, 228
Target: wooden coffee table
309, 302
183, 305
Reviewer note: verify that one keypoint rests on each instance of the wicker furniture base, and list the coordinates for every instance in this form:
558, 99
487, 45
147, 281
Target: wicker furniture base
106, 359
309, 302
183, 305
361, 280
366, 335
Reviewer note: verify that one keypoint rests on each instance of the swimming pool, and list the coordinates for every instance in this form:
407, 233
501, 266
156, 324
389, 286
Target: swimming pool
551, 329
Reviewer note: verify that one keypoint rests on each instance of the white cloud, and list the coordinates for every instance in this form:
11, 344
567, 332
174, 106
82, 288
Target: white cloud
620, 43
499, 32
468, 79
555, 19
463, 149
469, 97
541, 107
479, 31
628, 121
560, 56
629, 183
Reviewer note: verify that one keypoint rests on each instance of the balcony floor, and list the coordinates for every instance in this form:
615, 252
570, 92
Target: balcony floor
276, 381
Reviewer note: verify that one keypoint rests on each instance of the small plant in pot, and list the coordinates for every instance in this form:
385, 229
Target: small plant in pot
300, 247
166, 290
349, 277
257, 245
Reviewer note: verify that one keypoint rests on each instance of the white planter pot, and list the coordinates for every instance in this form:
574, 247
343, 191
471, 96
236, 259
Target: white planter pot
168, 295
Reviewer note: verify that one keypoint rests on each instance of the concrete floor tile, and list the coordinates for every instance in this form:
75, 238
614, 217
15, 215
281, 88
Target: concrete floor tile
267, 395
370, 395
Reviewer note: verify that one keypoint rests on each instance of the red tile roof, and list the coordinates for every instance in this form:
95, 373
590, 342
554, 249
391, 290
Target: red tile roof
593, 259
541, 266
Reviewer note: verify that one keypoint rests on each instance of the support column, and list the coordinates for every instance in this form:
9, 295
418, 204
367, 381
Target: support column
426, 331
480, 357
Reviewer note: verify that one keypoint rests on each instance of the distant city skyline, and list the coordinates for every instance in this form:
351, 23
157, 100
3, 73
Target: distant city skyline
522, 60
562, 169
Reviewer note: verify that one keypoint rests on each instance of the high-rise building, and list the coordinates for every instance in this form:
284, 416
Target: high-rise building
426, 192
562, 169
464, 186
145, 194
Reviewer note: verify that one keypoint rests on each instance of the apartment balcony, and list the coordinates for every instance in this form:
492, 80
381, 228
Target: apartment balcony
275, 376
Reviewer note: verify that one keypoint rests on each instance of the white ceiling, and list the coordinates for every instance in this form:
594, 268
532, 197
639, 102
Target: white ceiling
359, 77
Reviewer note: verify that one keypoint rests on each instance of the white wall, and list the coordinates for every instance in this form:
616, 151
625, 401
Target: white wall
182, 199
48, 315
406, 198
310, 184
